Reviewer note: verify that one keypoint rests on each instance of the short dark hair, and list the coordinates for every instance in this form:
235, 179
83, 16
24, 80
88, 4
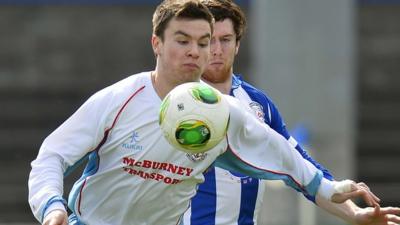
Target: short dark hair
227, 9
186, 9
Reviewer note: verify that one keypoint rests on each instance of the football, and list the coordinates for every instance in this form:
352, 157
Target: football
194, 117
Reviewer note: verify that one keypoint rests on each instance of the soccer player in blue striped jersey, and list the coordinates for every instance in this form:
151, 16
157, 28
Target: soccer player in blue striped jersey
229, 198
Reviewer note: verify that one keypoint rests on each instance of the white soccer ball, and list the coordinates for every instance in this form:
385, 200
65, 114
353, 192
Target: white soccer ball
194, 117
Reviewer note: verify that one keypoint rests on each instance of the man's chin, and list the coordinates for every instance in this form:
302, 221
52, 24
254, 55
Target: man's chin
192, 76
216, 67
209, 79
214, 76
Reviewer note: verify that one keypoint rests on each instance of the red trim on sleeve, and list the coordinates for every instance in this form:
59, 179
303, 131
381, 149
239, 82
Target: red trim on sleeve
270, 171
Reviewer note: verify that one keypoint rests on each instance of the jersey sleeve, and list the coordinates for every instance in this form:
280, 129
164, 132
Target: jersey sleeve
259, 151
70, 142
274, 119
278, 124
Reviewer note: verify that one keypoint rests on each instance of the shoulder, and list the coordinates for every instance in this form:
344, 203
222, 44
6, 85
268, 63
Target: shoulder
129, 84
122, 89
254, 92
109, 100
258, 100
252, 95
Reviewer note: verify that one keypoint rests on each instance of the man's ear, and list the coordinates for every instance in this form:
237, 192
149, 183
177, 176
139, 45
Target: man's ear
237, 47
155, 43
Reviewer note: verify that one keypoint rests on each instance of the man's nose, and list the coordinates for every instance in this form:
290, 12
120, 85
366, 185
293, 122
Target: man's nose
216, 48
194, 50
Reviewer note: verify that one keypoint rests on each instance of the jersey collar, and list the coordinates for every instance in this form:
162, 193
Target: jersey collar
236, 81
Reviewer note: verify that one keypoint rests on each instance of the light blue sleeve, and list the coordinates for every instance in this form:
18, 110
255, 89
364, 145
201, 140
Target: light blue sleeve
231, 162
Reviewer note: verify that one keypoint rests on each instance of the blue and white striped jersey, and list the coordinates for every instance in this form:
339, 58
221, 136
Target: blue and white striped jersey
228, 198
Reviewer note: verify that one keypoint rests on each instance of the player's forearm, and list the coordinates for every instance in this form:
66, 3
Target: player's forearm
45, 183
345, 211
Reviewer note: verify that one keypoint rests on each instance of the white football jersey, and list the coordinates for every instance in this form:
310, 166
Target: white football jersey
134, 176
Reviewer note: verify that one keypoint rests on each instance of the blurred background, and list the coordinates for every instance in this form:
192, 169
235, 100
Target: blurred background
330, 66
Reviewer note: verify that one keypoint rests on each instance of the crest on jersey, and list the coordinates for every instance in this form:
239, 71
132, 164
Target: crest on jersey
197, 157
258, 110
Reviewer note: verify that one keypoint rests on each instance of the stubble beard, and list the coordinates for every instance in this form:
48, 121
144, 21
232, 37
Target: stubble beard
190, 76
217, 75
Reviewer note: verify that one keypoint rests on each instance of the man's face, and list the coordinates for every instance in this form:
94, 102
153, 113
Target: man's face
185, 51
223, 51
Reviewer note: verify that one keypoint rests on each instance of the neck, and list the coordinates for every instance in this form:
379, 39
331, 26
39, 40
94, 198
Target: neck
160, 85
224, 86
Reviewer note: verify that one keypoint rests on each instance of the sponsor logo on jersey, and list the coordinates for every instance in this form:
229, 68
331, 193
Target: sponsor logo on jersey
197, 156
145, 169
132, 143
258, 110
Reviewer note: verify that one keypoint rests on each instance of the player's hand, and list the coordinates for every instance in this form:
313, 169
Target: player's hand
349, 189
56, 217
377, 216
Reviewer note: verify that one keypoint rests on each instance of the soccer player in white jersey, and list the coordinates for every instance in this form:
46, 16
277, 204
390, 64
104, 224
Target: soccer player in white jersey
133, 176
215, 203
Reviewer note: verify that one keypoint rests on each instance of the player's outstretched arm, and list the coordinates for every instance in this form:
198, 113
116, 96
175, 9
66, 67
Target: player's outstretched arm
258, 151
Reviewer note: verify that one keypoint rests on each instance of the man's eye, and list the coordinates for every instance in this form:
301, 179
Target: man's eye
182, 42
203, 45
226, 40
